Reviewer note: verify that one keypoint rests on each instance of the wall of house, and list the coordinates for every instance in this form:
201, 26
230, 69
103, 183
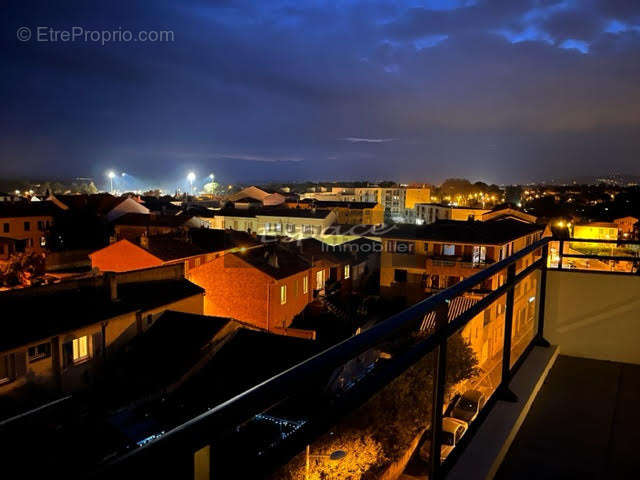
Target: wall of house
14, 227
281, 315
233, 289
594, 314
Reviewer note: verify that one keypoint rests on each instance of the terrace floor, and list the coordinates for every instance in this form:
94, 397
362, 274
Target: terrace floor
584, 423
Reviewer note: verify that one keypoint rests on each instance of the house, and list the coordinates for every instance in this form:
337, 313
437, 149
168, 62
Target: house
419, 260
255, 194
102, 205
24, 227
265, 287
132, 226
64, 331
627, 227
8, 197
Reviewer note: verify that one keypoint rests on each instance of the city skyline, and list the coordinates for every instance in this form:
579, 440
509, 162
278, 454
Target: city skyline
504, 92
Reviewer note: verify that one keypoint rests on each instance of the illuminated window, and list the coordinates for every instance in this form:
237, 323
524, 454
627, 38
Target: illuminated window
283, 294
320, 280
449, 250
347, 271
43, 241
305, 284
80, 348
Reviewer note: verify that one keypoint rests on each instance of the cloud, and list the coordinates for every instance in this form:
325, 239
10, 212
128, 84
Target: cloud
255, 158
367, 140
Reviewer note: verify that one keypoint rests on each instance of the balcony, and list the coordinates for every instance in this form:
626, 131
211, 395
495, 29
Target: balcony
384, 403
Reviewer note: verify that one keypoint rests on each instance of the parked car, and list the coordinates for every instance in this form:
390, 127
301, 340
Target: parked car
467, 406
453, 430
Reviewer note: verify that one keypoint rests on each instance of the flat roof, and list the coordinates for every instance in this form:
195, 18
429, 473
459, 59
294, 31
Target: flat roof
492, 232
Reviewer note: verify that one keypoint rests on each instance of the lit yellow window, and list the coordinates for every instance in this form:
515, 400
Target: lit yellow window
80, 348
305, 285
283, 294
347, 271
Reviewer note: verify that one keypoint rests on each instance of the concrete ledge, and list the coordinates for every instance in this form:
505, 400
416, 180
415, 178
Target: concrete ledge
489, 446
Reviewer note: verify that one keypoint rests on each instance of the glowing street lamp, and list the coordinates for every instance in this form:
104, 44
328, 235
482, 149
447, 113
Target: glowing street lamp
191, 177
111, 175
333, 457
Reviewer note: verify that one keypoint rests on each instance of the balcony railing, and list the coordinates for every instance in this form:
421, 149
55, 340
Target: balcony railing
313, 397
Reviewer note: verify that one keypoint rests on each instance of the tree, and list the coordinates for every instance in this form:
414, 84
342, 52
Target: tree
22, 269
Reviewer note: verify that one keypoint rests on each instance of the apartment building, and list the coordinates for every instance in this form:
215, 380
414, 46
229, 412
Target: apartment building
24, 227
419, 260
627, 227
292, 222
66, 330
132, 226
398, 202
347, 213
427, 213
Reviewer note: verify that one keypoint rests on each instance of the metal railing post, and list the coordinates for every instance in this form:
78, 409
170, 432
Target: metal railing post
542, 298
439, 381
504, 392
560, 251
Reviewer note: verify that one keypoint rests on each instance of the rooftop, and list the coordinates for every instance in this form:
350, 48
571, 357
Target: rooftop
276, 261
53, 310
152, 220
493, 232
167, 248
343, 204
27, 209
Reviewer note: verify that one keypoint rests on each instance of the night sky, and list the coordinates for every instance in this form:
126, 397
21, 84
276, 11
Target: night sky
500, 91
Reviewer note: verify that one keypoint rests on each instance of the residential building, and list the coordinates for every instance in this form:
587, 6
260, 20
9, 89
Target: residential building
65, 330
627, 227
102, 205
132, 226
291, 222
596, 231
24, 227
427, 213
347, 213
266, 199
419, 260
398, 202
265, 287
192, 249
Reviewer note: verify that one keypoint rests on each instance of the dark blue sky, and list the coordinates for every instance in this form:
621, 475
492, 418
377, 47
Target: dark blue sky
506, 90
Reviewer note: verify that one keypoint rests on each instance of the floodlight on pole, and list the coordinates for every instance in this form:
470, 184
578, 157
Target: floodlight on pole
191, 177
111, 175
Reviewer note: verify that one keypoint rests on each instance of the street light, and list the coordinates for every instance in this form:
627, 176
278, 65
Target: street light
191, 177
333, 457
111, 175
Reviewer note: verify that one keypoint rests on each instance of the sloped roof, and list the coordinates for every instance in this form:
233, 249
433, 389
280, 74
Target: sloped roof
168, 248
47, 311
99, 203
152, 220
288, 261
251, 192
27, 209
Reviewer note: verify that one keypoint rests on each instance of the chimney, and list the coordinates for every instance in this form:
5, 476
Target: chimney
112, 280
144, 241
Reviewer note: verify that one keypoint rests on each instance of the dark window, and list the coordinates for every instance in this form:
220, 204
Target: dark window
27, 226
400, 276
5, 228
39, 352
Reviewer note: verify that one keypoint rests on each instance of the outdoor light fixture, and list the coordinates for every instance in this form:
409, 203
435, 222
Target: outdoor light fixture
111, 175
191, 177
